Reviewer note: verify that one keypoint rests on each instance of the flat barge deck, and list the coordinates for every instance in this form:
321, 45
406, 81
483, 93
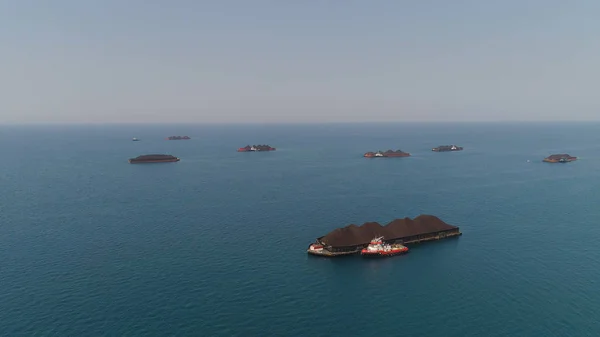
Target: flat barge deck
325, 252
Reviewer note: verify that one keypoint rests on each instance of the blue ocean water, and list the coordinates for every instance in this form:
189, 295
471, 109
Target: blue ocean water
215, 245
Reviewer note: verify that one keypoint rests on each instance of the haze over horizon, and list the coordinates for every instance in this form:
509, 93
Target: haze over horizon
308, 61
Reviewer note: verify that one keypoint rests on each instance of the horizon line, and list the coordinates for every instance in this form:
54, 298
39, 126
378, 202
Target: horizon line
302, 123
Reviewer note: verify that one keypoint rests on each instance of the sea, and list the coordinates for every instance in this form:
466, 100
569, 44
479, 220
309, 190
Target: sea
215, 245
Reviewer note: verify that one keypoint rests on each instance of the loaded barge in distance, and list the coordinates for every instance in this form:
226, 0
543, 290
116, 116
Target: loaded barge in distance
256, 148
559, 158
153, 158
178, 138
355, 239
388, 153
447, 148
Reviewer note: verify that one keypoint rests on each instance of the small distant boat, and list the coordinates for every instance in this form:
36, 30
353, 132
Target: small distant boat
378, 248
135, 139
178, 138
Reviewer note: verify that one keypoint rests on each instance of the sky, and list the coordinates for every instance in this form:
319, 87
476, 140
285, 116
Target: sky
281, 61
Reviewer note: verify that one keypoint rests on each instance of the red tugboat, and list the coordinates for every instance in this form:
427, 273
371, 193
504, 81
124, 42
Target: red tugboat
256, 148
377, 248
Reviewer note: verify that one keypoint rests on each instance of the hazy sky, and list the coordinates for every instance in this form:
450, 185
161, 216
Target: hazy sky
298, 60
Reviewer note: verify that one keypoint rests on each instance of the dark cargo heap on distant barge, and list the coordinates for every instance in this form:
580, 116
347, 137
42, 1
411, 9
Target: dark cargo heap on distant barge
388, 153
447, 148
559, 158
352, 239
178, 138
256, 148
153, 158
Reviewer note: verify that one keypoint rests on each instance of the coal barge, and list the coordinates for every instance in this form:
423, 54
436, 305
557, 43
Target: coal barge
178, 138
447, 148
388, 153
354, 239
153, 158
559, 158
256, 148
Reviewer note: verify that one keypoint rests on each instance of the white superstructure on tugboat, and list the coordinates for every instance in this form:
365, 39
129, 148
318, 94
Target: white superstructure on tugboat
378, 248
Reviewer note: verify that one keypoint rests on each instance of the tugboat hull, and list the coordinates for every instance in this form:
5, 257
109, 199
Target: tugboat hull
385, 254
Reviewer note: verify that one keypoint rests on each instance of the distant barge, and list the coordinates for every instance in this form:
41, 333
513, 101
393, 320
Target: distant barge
354, 239
447, 148
256, 148
559, 158
388, 153
178, 138
153, 158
